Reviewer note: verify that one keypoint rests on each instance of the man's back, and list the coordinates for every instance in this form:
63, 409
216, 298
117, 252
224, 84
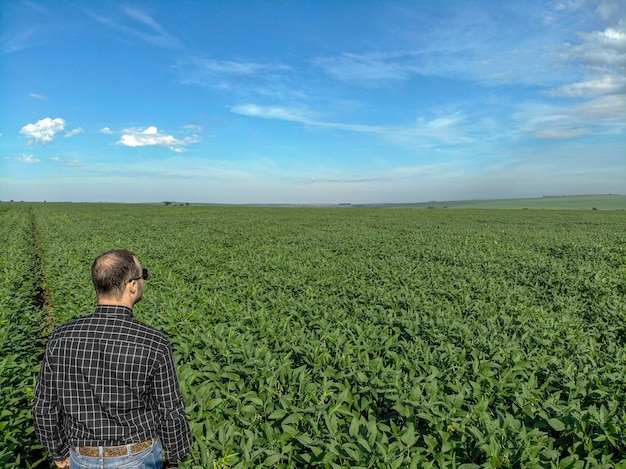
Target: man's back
103, 365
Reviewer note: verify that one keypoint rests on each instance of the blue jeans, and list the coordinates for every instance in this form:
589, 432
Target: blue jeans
149, 458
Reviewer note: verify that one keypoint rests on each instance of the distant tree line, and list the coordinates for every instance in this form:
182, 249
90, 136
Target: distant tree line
168, 203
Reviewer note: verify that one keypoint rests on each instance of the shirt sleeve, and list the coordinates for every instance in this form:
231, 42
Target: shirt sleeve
175, 431
47, 414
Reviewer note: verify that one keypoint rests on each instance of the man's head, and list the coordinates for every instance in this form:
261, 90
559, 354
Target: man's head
116, 276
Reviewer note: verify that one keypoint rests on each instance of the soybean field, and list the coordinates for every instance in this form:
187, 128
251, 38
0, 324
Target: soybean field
346, 337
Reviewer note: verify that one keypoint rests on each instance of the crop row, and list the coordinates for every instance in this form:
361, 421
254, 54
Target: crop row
21, 332
374, 338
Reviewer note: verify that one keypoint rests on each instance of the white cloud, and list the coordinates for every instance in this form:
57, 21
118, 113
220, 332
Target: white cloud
76, 131
38, 96
151, 137
147, 137
603, 50
106, 131
600, 56
44, 130
29, 159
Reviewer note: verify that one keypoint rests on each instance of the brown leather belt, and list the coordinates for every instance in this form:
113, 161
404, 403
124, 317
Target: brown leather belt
112, 451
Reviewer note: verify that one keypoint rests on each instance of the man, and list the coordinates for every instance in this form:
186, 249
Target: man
107, 394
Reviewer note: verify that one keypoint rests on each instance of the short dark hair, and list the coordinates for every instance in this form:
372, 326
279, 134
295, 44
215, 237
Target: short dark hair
111, 271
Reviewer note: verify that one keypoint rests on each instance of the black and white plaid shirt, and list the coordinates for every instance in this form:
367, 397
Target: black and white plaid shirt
108, 380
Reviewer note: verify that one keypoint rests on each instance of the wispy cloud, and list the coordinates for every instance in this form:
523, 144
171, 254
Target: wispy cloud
603, 115
582, 71
141, 26
16, 42
43, 131
28, 159
240, 68
609, 84
231, 75
471, 44
65, 162
370, 68
275, 112
560, 134
346, 180
442, 128
468, 43
193, 128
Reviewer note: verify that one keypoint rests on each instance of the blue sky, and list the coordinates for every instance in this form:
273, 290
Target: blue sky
311, 101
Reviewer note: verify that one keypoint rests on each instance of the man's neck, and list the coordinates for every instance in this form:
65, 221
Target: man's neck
114, 302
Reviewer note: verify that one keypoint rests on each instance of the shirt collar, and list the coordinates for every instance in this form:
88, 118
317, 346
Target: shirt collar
114, 310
